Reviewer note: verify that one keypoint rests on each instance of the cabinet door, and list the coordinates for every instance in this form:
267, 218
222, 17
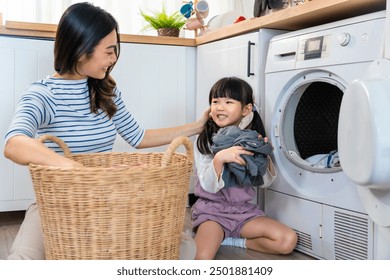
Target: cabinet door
237, 56
24, 61
7, 109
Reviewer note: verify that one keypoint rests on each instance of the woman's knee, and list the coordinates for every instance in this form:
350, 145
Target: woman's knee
28, 243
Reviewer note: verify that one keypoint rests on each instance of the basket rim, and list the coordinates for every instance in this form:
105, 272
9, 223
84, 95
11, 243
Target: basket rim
184, 161
166, 157
130, 168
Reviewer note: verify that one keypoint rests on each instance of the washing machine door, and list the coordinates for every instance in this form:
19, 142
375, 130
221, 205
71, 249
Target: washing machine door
364, 139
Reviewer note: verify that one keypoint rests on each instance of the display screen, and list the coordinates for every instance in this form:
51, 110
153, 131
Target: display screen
313, 47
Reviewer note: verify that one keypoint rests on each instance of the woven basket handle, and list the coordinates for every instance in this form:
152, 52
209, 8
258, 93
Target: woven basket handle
56, 140
181, 140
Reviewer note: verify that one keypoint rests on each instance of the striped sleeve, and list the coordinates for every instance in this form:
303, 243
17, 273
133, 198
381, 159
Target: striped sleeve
127, 127
36, 108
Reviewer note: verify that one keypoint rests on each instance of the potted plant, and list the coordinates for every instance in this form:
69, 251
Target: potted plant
165, 24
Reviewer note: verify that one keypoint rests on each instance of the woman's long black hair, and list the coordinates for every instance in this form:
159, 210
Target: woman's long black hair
237, 89
80, 30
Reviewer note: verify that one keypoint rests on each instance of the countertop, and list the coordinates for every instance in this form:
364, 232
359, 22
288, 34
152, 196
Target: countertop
311, 13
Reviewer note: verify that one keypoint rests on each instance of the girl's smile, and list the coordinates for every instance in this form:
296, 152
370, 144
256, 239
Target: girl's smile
227, 111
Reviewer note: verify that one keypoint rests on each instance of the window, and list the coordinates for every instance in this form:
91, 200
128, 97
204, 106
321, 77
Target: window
126, 12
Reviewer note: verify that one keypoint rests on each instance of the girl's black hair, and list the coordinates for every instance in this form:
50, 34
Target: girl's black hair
80, 30
237, 89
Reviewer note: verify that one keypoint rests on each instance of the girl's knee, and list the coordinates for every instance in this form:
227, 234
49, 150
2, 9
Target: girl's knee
204, 255
288, 242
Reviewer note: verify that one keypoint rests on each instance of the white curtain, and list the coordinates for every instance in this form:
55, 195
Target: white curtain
126, 12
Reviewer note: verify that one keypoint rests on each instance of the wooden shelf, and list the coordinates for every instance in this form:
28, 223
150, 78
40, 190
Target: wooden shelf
44, 30
309, 14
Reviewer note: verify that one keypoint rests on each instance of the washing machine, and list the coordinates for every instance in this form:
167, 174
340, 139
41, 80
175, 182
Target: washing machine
364, 117
307, 74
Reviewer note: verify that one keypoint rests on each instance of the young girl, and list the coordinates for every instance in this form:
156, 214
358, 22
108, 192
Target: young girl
223, 211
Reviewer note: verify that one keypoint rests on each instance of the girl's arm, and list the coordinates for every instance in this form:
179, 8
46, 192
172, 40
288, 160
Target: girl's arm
232, 154
209, 180
24, 150
210, 168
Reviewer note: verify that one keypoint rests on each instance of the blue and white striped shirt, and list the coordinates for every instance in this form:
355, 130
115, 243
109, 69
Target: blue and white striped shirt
62, 108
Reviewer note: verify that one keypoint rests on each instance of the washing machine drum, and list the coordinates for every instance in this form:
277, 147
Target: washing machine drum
364, 139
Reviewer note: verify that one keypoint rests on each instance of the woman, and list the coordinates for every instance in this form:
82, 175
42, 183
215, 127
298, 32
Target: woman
79, 103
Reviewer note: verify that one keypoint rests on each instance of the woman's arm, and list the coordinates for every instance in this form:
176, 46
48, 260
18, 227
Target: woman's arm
163, 136
24, 150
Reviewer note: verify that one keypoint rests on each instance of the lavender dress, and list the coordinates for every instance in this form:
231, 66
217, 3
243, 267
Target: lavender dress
230, 207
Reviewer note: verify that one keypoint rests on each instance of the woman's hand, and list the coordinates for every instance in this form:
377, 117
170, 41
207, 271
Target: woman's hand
24, 150
164, 136
68, 163
203, 120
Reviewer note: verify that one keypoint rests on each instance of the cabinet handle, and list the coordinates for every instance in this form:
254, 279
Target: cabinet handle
249, 73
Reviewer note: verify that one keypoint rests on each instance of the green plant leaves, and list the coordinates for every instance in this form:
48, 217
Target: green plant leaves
161, 19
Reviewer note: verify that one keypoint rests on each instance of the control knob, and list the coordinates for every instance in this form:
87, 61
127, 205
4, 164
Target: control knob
344, 39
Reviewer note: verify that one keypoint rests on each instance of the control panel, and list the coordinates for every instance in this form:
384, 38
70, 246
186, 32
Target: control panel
316, 47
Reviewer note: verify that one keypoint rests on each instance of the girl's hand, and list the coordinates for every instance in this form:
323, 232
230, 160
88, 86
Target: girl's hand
266, 140
232, 154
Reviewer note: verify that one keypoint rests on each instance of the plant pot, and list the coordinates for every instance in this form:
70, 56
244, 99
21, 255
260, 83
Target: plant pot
171, 32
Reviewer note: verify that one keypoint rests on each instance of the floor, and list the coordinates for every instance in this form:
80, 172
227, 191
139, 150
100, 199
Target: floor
10, 223
9, 226
234, 253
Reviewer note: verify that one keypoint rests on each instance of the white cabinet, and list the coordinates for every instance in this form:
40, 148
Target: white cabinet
23, 61
157, 84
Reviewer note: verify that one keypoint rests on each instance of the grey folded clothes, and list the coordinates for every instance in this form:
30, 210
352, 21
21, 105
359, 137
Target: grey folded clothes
252, 173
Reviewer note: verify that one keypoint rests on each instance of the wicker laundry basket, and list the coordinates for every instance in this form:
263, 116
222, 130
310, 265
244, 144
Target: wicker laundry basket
120, 206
